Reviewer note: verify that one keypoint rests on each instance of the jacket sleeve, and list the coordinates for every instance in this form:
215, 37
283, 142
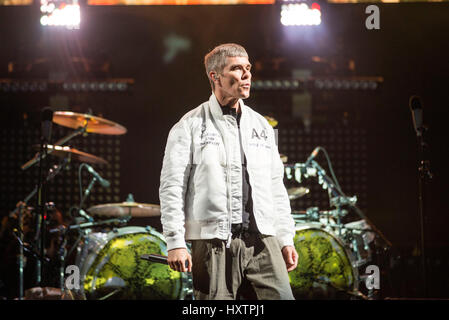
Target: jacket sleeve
173, 184
284, 223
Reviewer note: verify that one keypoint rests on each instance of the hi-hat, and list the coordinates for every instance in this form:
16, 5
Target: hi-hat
93, 124
124, 209
74, 154
295, 193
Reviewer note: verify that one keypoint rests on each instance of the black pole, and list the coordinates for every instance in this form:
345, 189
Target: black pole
46, 125
424, 175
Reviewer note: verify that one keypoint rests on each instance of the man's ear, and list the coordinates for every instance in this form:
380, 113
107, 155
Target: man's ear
215, 78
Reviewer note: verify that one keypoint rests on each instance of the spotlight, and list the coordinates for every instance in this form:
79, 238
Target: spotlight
60, 13
295, 13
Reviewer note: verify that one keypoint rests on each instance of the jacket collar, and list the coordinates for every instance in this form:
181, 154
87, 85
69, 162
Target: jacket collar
216, 108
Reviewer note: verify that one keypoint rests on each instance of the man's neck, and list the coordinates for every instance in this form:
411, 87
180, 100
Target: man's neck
228, 102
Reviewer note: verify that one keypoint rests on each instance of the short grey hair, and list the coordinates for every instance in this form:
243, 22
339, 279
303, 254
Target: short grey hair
215, 60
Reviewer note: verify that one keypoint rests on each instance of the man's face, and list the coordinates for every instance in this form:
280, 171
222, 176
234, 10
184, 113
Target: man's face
235, 79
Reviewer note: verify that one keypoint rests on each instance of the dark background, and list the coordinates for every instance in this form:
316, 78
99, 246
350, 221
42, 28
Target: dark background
371, 131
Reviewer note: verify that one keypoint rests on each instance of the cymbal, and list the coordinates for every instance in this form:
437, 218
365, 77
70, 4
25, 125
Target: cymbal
295, 193
133, 209
94, 124
64, 151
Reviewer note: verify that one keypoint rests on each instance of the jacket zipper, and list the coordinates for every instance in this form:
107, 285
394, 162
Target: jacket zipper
228, 184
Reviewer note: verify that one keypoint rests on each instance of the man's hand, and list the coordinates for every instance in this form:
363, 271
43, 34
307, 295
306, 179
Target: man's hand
177, 260
290, 257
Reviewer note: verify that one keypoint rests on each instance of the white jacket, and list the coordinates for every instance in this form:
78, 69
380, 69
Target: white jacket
201, 179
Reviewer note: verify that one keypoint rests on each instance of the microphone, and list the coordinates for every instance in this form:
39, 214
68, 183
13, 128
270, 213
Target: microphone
312, 156
105, 183
46, 123
154, 258
158, 259
417, 114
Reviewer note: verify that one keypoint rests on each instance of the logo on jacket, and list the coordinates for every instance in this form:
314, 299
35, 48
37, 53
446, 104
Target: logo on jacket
261, 135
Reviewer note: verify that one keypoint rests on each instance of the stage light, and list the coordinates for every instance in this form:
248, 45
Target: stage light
300, 14
64, 13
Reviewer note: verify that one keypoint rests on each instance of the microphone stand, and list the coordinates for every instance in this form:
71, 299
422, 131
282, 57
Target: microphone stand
40, 219
424, 175
85, 195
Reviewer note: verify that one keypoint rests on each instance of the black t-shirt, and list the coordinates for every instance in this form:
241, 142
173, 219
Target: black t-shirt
248, 220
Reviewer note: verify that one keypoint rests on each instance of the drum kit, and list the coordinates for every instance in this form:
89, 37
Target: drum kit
99, 240
331, 252
112, 255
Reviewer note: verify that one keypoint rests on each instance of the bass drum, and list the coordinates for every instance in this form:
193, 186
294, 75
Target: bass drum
325, 269
111, 267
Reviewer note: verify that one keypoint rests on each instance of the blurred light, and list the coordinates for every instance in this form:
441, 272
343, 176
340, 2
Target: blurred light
299, 14
67, 13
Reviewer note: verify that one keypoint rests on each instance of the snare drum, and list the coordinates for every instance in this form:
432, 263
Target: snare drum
325, 269
111, 267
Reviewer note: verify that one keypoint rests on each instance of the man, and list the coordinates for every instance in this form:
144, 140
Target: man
222, 189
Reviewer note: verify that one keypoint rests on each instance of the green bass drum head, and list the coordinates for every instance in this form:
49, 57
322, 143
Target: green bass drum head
324, 270
118, 272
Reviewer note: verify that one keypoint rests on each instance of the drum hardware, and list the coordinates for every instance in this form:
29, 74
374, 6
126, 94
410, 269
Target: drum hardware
336, 191
28, 247
88, 225
299, 171
296, 193
342, 201
310, 214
